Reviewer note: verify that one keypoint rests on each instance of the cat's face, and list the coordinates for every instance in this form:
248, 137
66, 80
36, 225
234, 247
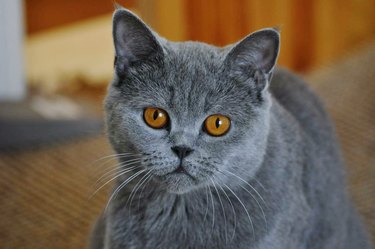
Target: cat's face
194, 113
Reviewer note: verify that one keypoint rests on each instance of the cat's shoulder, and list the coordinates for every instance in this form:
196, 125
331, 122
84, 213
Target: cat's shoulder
294, 94
285, 83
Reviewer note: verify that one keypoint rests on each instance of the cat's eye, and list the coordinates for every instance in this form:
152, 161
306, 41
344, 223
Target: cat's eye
155, 117
217, 125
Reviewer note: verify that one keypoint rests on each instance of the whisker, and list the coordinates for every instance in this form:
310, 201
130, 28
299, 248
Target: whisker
222, 207
260, 184
114, 156
205, 214
100, 171
111, 155
244, 207
143, 188
114, 194
213, 208
247, 185
264, 216
122, 165
136, 187
256, 200
126, 170
252, 196
233, 210
118, 175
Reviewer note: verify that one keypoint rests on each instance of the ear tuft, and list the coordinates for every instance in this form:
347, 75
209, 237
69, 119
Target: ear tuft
134, 41
116, 5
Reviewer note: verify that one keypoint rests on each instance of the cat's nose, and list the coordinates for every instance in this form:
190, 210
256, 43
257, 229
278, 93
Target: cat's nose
182, 151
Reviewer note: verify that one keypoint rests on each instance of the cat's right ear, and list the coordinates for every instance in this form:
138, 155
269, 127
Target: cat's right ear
134, 42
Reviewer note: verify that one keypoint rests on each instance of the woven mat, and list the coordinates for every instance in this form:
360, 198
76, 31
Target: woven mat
45, 193
348, 90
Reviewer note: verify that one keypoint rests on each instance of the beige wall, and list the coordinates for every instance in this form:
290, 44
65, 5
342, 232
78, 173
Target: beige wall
314, 33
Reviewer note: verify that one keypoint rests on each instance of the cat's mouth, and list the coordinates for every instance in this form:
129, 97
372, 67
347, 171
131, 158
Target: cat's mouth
180, 169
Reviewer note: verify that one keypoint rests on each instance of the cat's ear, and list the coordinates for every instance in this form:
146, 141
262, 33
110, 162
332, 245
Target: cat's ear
255, 56
134, 41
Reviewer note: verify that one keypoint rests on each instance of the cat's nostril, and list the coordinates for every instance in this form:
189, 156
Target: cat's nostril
182, 151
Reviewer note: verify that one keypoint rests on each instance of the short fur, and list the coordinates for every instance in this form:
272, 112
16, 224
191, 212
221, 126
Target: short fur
275, 180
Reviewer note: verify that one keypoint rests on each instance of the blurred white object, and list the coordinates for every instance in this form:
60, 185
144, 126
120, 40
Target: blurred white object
57, 107
12, 78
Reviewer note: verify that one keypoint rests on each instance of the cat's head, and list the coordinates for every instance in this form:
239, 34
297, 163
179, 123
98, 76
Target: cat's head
193, 113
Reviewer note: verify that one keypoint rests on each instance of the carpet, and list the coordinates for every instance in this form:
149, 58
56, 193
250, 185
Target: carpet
45, 192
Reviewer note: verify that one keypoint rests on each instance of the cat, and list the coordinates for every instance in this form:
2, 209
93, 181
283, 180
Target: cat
218, 148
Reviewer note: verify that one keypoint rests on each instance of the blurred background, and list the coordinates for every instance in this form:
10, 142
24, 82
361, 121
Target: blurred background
56, 59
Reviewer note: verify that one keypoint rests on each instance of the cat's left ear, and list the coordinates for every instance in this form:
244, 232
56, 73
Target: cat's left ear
255, 56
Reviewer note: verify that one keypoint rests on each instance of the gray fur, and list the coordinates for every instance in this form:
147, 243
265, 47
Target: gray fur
281, 150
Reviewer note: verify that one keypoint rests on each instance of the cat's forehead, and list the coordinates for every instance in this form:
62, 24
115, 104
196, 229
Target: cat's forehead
191, 80
193, 75
194, 81
193, 64
194, 56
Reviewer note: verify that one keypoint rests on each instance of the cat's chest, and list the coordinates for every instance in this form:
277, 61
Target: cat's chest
180, 227
165, 231
173, 223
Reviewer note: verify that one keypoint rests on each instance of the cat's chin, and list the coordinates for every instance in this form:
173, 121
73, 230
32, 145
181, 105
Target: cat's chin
178, 183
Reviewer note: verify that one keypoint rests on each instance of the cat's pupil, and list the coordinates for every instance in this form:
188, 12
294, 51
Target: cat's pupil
156, 115
217, 122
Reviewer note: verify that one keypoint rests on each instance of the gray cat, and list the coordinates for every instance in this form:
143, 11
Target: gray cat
215, 155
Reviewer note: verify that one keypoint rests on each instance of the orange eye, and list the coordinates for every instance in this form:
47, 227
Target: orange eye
155, 117
217, 125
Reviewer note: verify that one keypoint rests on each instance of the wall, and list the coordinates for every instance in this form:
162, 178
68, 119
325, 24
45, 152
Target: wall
71, 39
313, 32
